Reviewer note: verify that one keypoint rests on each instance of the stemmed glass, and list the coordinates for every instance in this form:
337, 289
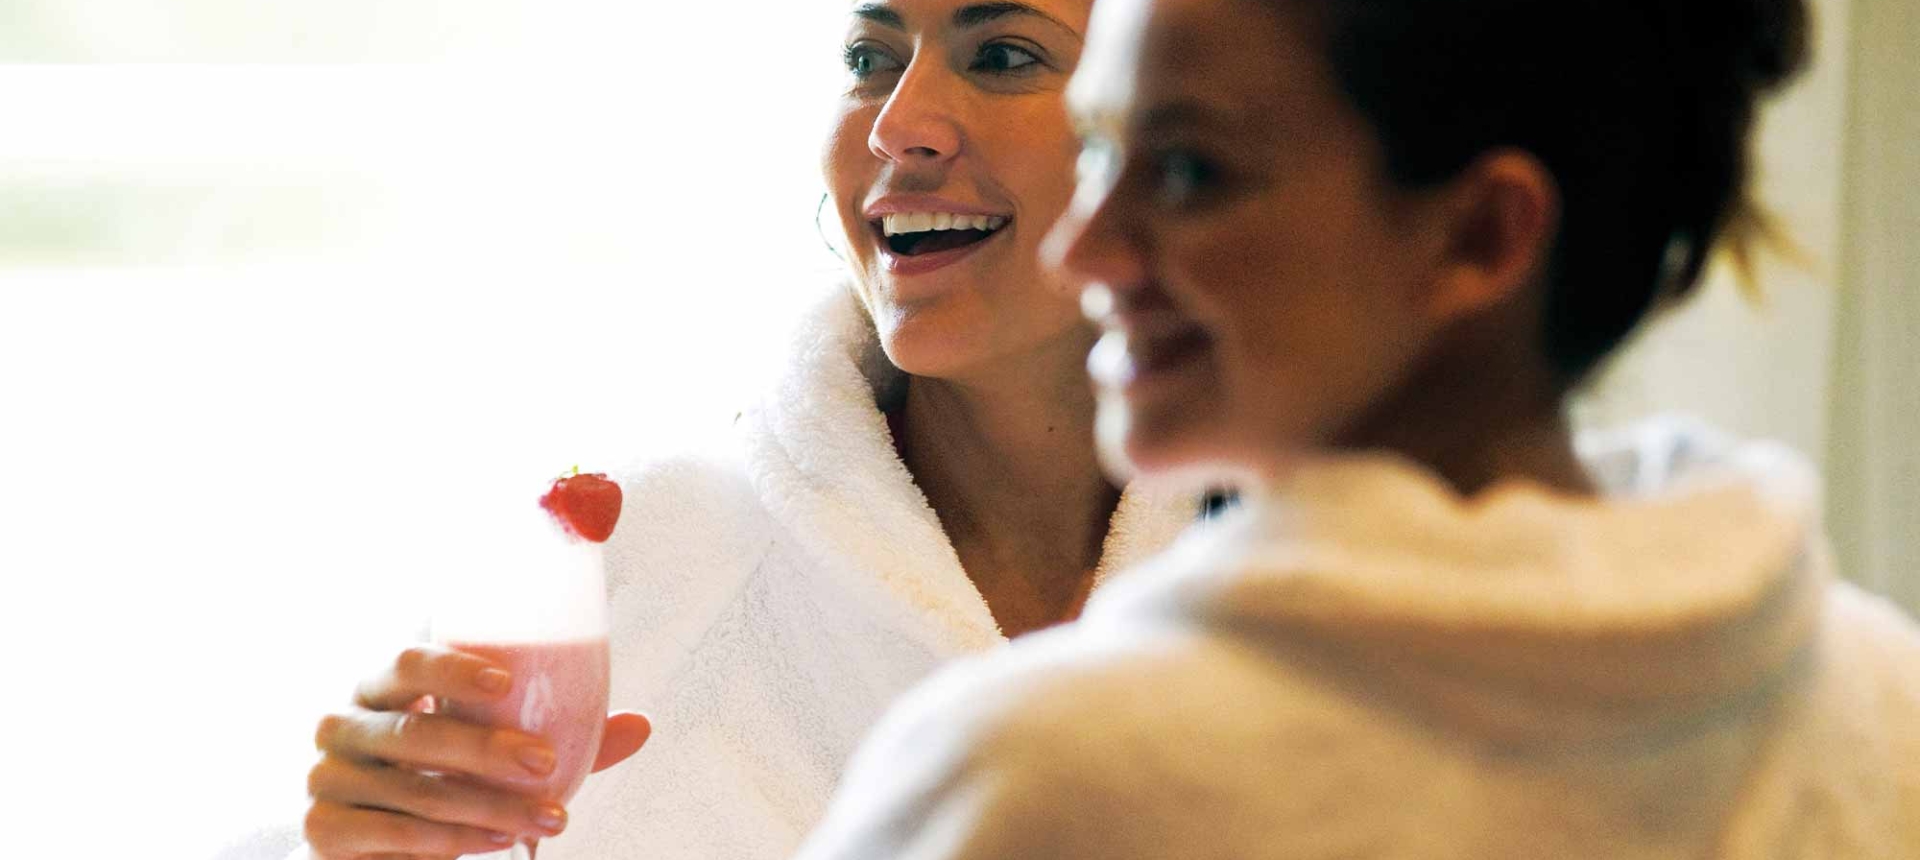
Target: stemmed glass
535, 603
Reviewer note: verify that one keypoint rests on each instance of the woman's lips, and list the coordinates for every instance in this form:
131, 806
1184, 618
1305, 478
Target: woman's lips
928, 214
920, 264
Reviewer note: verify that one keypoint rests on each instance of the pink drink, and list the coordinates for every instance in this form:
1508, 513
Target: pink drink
559, 693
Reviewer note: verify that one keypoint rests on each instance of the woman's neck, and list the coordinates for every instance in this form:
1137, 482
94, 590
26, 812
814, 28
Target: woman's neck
1008, 464
1537, 449
1477, 426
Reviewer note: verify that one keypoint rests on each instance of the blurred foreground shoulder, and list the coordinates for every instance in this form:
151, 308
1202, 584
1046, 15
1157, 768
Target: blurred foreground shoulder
1077, 742
1876, 648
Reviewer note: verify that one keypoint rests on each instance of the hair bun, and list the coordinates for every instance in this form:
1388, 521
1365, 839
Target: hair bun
1766, 42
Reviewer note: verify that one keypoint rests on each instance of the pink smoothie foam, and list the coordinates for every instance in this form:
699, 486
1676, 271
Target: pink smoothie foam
559, 693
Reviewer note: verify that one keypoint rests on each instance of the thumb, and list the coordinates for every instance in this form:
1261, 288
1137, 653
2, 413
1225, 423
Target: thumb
626, 732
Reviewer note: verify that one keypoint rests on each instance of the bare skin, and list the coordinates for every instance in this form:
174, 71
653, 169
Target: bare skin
1473, 428
395, 780
1005, 464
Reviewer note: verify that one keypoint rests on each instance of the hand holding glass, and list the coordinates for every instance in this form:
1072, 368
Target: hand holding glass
536, 608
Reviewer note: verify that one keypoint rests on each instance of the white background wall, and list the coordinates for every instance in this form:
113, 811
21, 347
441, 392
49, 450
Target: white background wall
1873, 460
265, 330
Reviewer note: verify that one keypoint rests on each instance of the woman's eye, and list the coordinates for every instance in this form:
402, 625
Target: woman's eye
1184, 176
1001, 58
866, 60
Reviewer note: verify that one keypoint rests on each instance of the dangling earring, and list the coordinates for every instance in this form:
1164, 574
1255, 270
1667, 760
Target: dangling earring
822, 230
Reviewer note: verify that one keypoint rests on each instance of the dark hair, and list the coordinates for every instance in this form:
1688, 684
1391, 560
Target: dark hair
1640, 109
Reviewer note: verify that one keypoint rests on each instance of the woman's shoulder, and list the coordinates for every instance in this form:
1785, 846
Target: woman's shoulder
1077, 704
708, 474
1861, 714
1126, 720
691, 514
1879, 643
691, 535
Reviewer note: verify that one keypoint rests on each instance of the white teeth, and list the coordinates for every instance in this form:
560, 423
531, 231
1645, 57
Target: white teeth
924, 222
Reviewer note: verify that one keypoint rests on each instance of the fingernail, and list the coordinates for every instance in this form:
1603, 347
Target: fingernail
493, 680
537, 759
551, 818
500, 838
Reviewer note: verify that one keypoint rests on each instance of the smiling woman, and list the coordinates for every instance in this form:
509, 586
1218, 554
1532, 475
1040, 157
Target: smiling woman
921, 483
918, 483
948, 160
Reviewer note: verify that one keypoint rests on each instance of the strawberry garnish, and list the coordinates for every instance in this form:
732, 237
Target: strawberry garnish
586, 506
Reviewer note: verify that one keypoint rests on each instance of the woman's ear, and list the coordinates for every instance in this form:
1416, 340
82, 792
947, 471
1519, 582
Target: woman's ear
1504, 213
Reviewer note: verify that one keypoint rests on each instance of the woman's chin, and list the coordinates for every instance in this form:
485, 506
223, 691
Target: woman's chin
938, 339
963, 338
923, 350
1110, 435
1152, 443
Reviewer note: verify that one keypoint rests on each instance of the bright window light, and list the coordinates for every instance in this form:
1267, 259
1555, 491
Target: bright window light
268, 328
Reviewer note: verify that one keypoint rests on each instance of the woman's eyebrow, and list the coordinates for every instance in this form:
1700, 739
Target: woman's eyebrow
882, 14
978, 14
964, 18
1179, 115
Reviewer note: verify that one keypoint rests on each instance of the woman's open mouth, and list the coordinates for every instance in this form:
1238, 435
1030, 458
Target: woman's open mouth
923, 241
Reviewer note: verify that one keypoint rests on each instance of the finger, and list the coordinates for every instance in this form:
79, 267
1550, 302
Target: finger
337, 830
434, 797
430, 670
437, 742
626, 732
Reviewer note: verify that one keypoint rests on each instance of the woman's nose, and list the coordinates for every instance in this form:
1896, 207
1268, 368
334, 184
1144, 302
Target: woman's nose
919, 122
1093, 242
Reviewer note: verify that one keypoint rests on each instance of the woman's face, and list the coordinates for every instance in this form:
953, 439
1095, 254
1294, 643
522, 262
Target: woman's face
1257, 276
950, 158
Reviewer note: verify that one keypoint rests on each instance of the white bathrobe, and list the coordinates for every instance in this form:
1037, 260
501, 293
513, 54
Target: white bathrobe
1362, 664
771, 599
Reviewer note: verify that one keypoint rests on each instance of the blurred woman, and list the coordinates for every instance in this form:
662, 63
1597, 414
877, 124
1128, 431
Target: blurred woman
1359, 252
920, 484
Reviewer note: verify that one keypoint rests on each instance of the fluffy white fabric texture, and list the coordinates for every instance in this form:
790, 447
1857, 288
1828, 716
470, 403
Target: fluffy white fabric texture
772, 598
1363, 664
